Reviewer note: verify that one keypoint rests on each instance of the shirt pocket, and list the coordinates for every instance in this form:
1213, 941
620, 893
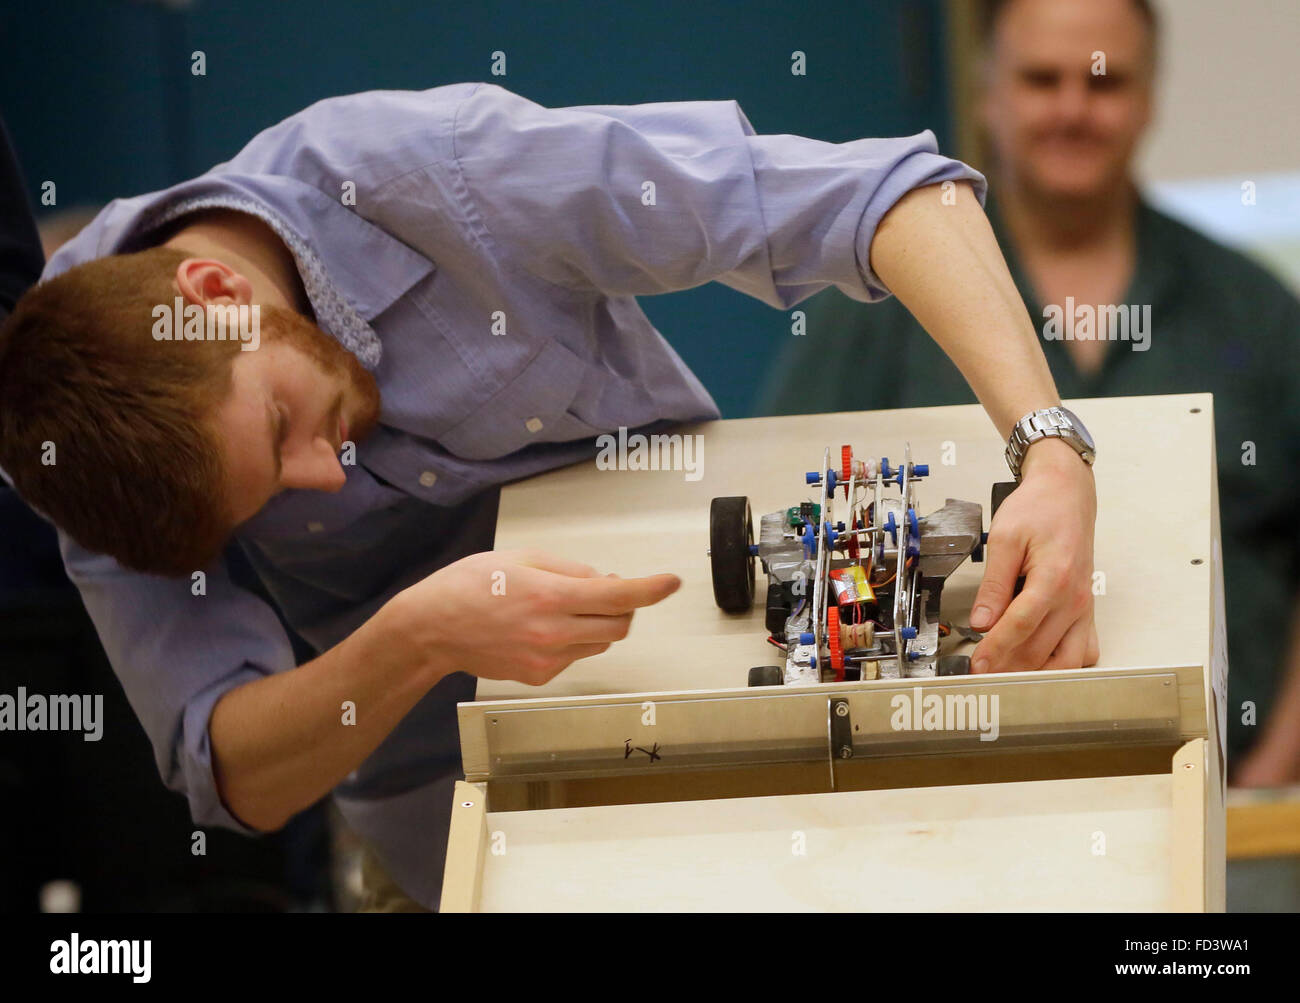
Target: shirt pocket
314, 515
532, 407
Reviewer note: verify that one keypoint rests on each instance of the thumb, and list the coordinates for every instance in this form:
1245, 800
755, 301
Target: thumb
996, 591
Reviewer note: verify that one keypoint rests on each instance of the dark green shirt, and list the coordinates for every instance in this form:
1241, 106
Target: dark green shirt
1219, 324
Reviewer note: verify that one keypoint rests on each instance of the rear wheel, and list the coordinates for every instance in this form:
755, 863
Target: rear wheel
1001, 491
731, 533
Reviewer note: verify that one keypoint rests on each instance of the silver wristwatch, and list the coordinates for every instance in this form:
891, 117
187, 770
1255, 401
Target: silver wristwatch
1059, 422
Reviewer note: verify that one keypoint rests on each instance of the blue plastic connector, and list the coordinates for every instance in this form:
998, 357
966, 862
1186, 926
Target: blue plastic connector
806, 637
918, 470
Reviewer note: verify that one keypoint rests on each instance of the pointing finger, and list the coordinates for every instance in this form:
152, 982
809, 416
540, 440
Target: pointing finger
614, 596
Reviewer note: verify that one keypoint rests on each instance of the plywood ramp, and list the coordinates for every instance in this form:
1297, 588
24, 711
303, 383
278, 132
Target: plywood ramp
1090, 844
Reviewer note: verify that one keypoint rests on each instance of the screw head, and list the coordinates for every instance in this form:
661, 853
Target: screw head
841, 710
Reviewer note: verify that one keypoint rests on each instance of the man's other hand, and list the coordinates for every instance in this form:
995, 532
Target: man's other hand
1044, 531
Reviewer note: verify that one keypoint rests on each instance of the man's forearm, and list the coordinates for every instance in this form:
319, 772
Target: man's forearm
944, 264
940, 258
280, 743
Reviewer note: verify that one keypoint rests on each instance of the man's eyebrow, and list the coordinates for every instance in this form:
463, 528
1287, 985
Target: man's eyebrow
275, 419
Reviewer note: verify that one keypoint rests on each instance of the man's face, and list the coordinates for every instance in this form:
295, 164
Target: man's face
293, 402
1057, 124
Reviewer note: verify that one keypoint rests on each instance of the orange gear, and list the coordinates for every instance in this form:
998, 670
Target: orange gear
846, 469
833, 638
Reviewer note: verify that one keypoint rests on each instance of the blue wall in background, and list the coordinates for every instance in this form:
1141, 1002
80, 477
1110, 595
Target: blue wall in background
99, 96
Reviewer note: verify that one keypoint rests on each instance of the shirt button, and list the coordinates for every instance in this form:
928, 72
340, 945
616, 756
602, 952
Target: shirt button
315, 527
533, 424
428, 479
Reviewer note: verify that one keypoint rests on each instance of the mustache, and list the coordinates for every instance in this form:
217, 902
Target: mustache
1070, 133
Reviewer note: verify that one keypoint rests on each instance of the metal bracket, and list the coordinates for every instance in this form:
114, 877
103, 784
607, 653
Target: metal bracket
839, 733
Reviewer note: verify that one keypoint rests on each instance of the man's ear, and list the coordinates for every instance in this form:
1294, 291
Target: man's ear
205, 281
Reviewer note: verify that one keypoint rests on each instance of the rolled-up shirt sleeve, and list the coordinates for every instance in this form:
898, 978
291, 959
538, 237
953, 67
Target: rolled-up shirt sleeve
176, 654
653, 198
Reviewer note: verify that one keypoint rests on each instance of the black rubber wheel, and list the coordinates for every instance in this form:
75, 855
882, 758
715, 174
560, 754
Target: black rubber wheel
952, 665
1000, 491
766, 675
731, 531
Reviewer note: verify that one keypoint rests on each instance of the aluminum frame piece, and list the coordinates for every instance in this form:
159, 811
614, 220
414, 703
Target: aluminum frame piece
599, 736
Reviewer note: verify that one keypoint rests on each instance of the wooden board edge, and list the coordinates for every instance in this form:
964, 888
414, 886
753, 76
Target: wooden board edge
1188, 860
462, 881
1216, 835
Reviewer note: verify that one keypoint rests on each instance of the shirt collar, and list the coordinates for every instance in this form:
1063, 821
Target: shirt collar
1156, 278
351, 269
1153, 282
1153, 273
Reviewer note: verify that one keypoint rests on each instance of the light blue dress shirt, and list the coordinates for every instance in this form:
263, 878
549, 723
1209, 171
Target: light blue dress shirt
471, 203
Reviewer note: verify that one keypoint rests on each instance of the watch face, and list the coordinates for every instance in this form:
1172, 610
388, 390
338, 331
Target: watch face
1080, 428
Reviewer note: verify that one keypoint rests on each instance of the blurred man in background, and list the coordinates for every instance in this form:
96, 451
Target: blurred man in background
1067, 94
